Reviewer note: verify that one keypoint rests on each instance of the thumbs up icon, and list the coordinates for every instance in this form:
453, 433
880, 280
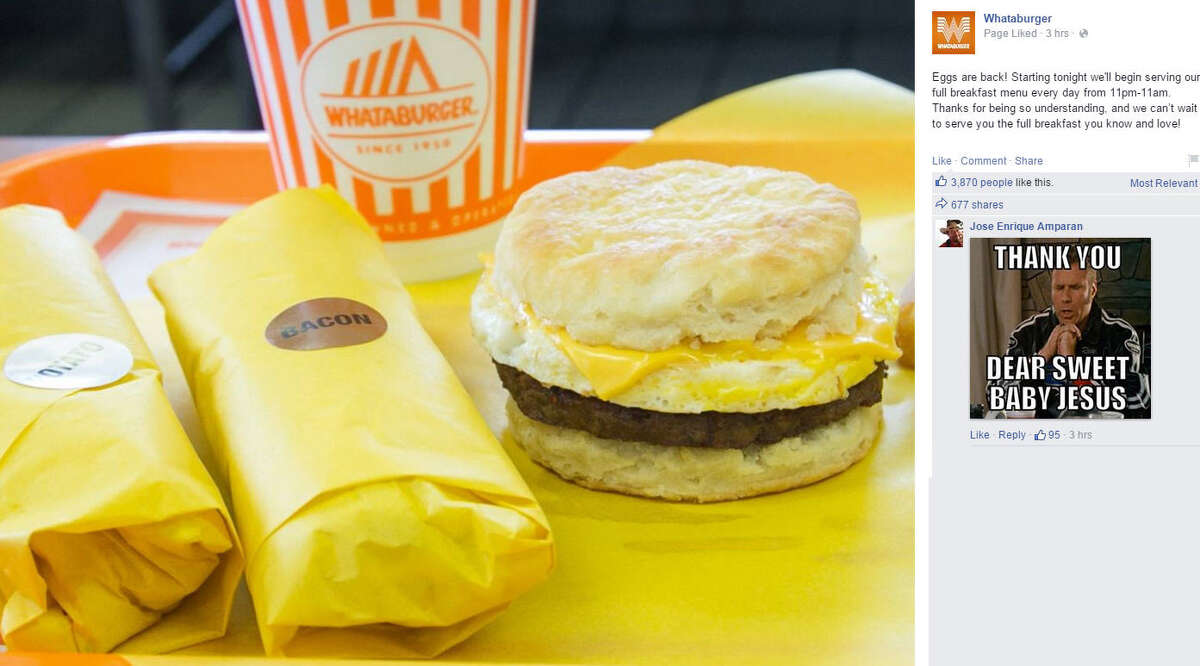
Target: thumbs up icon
940, 182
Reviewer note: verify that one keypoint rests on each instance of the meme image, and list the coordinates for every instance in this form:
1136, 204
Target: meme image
1060, 328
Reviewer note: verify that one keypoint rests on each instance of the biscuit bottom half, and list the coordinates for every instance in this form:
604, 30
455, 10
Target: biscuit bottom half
693, 473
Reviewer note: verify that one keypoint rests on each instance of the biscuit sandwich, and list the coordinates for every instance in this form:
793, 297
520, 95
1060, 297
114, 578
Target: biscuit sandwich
688, 330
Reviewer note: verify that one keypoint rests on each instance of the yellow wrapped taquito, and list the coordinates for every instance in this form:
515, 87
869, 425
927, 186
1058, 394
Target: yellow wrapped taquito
111, 531
379, 514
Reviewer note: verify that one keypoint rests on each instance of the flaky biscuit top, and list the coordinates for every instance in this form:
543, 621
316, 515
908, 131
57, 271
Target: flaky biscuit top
686, 250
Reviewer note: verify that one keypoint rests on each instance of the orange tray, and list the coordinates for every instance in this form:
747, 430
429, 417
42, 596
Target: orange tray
820, 575
230, 167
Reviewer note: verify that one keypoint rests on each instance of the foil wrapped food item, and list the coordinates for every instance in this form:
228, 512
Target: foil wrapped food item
112, 533
380, 515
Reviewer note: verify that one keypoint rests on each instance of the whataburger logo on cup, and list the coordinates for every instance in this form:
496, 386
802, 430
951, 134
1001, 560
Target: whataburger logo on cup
379, 93
414, 110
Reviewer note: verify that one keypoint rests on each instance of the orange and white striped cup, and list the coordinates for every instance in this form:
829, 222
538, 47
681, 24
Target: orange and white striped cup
415, 110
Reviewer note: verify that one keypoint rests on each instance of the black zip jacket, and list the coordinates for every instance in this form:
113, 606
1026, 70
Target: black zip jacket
1103, 335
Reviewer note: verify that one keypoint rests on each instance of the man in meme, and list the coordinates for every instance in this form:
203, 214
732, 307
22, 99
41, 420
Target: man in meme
1057, 340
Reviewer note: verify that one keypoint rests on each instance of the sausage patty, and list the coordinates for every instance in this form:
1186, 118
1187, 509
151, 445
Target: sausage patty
726, 430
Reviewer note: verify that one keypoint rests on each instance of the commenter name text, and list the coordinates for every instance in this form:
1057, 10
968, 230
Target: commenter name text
1022, 227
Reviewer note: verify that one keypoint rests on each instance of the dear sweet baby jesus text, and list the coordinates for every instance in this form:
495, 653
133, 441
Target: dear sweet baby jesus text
1081, 380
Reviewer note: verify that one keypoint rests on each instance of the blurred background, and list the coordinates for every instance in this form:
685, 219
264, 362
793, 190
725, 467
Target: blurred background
89, 67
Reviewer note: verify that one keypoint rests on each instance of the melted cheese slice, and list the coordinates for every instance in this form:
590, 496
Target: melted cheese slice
612, 370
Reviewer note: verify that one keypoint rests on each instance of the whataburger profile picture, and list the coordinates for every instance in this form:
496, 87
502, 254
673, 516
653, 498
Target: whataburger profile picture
953, 32
387, 89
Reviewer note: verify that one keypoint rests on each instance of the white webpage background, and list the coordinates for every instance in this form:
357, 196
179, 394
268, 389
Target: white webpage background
1061, 555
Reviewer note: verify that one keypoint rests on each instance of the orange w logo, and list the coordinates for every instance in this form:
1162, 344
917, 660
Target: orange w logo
414, 59
953, 28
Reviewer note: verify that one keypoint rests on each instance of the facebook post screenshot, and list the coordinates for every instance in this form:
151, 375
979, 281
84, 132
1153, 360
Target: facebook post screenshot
600, 332
1058, 231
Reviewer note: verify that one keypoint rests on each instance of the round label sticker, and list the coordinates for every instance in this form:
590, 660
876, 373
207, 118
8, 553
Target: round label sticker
321, 323
68, 361
398, 101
